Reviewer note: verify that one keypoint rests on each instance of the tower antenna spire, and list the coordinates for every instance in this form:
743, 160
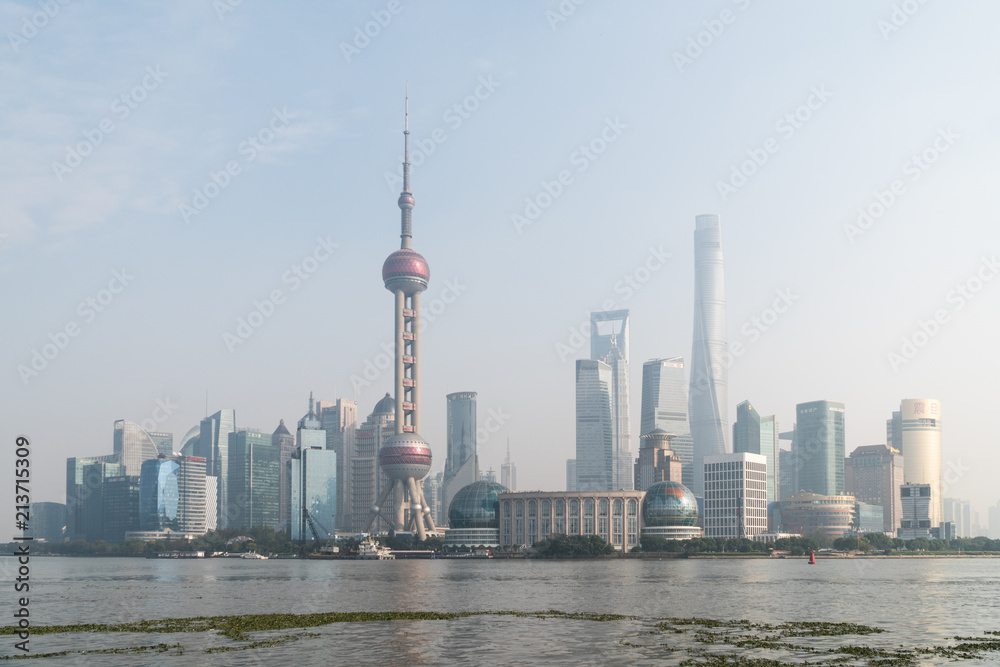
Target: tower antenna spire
406, 197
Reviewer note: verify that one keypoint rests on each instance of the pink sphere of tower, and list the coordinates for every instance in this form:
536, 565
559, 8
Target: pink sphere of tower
405, 455
407, 270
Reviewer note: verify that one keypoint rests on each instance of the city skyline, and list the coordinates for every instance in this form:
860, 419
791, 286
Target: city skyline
817, 313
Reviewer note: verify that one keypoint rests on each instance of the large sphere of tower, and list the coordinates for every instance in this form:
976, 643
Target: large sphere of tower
405, 455
406, 270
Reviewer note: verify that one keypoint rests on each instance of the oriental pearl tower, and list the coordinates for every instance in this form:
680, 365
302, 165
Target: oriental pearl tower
405, 457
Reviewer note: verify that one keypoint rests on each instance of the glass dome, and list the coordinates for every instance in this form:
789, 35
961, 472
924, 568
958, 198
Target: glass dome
475, 506
669, 504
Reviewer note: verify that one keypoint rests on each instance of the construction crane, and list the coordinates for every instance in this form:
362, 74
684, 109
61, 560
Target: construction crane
313, 522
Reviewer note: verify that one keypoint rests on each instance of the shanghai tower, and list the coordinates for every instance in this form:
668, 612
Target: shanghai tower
708, 396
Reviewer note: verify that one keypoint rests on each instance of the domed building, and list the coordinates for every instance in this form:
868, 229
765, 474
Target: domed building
670, 511
474, 515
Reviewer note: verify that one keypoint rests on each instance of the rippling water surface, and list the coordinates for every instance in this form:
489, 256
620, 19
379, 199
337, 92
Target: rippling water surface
920, 602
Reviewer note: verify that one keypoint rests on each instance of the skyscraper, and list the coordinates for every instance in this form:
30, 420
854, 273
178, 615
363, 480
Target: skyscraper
758, 435
508, 471
819, 447
406, 457
595, 455
172, 495
921, 447
746, 429
461, 467
609, 342
133, 446
735, 495
340, 421
78, 491
120, 507
769, 449
656, 462
368, 482
708, 398
284, 442
254, 480
213, 446
665, 406
314, 493
571, 474
164, 442
873, 475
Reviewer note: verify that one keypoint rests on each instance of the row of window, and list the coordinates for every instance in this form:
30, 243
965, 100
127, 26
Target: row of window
531, 531
603, 507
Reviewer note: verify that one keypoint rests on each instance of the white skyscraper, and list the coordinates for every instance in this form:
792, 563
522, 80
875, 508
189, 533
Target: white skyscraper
708, 398
735, 495
921, 448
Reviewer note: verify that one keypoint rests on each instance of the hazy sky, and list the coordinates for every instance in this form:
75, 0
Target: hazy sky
178, 163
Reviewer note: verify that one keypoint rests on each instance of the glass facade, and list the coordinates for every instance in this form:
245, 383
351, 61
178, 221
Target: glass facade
669, 504
609, 342
133, 446
461, 466
665, 406
254, 481
475, 506
708, 396
121, 507
769, 448
213, 446
314, 490
159, 495
595, 459
46, 521
819, 447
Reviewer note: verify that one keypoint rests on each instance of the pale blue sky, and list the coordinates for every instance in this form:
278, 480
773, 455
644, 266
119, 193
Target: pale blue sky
678, 131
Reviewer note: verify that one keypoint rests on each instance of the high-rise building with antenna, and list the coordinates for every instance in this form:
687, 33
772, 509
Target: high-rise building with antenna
508, 471
406, 457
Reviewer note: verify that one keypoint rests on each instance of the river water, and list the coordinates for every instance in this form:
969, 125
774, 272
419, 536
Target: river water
918, 601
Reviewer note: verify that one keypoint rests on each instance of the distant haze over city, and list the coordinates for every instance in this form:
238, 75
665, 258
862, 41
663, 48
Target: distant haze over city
196, 201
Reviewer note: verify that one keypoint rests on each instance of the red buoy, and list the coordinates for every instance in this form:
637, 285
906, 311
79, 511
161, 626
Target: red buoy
812, 557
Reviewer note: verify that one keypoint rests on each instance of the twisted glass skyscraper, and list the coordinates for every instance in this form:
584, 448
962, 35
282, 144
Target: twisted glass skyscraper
708, 397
